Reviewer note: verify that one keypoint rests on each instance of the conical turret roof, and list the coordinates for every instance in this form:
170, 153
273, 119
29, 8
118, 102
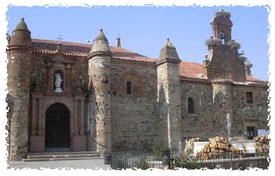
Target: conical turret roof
169, 51
100, 44
21, 36
22, 25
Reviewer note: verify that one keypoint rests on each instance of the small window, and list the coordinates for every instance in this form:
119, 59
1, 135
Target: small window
190, 105
250, 132
249, 97
129, 87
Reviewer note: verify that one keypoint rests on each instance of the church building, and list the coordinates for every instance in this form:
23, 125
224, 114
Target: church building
66, 96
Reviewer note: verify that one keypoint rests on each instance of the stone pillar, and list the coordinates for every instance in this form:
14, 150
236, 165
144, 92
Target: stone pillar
34, 117
81, 117
169, 94
37, 138
79, 138
99, 73
49, 76
76, 117
68, 78
222, 100
19, 65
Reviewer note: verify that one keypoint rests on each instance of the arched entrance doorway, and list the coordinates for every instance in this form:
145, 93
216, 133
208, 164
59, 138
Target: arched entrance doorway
57, 127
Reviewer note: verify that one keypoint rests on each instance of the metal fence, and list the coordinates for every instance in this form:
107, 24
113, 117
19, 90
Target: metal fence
139, 160
147, 159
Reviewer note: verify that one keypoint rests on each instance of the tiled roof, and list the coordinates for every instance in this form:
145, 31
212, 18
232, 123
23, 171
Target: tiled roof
79, 49
192, 70
187, 69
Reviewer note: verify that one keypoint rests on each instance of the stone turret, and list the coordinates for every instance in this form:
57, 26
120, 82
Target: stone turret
99, 75
169, 96
19, 63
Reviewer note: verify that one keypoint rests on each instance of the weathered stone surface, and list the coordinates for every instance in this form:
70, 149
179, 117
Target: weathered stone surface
105, 118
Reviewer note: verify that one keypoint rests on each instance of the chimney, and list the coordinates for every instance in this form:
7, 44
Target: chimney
118, 43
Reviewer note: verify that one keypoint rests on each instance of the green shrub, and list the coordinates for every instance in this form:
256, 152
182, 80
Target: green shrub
158, 151
187, 161
142, 164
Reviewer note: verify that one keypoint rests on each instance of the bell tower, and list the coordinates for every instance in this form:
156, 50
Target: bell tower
221, 26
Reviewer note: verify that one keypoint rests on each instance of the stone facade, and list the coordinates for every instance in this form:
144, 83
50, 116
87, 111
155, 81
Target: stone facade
113, 99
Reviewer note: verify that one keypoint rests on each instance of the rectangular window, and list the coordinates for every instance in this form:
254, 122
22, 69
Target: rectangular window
249, 97
251, 132
129, 87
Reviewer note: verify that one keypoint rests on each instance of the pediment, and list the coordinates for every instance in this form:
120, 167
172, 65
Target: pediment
61, 59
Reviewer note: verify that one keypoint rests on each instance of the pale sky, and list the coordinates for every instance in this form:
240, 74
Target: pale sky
144, 29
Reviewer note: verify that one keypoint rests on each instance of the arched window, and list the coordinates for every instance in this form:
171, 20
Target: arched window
129, 87
222, 36
58, 81
191, 106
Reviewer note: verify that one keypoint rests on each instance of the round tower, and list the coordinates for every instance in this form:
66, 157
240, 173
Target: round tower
18, 68
99, 75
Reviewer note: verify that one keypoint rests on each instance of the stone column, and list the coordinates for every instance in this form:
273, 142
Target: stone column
37, 139
69, 77
34, 117
79, 142
49, 76
40, 117
76, 117
81, 117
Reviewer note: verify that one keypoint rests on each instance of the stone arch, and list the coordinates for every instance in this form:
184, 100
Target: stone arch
47, 103
57, 126
196, 102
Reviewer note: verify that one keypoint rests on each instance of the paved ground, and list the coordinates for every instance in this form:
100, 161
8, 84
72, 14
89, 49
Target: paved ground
94, 164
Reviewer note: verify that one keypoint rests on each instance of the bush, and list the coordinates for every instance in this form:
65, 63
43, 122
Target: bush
158, 151
142, 164
187, 161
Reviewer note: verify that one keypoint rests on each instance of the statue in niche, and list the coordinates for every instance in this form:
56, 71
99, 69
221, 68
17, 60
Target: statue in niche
58, 81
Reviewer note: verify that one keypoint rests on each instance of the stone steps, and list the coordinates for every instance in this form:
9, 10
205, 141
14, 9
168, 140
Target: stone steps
58, 156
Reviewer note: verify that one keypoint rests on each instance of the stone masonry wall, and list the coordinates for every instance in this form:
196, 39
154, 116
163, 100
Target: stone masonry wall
134, 116
255, 113
207, 121
202, 123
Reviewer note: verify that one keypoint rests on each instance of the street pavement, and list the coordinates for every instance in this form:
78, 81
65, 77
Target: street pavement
94, 164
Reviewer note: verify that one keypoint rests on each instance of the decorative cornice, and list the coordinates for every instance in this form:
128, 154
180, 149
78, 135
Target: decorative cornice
167, 60
99, 53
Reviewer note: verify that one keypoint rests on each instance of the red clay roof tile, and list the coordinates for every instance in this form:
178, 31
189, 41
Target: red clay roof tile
187, 69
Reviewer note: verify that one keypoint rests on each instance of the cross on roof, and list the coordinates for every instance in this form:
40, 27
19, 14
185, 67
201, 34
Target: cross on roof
59, 38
